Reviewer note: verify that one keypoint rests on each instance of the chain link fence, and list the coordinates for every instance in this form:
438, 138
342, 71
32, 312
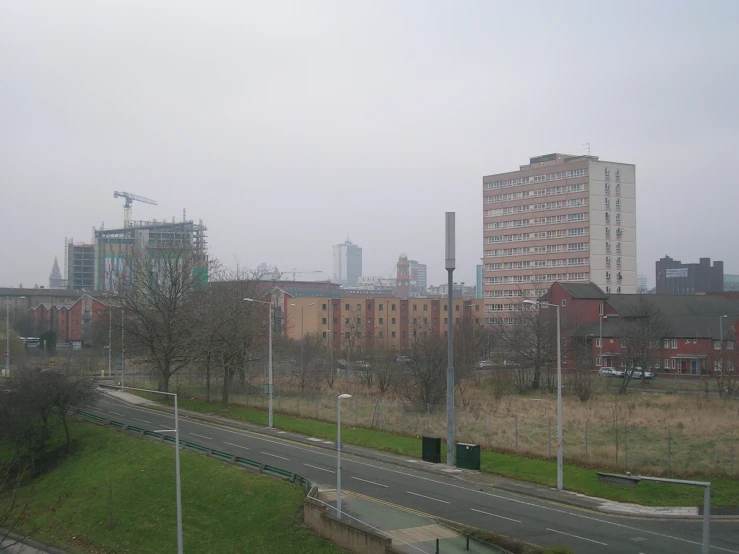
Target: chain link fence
619, 441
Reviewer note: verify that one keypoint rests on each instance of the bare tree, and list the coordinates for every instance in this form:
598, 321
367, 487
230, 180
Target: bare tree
721, 366
424, 377
641, 329
352, 332
312, 360
527, 340
581, 376
158, 303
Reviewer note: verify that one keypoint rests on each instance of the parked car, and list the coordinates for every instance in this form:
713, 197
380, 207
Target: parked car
639, 373
362, 365
485, 364
610, 372
341, 363
404, 359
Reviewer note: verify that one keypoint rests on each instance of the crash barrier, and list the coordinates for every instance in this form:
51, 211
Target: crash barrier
217, 454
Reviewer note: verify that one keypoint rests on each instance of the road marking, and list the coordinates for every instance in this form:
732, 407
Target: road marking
348, 458
143, 420
495, 515
201, 436
429, 497
370, 482
319, 468
576, 536
236, 445
116, 413
276, 456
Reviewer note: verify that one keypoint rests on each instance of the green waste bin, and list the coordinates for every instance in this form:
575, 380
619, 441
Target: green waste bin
468, 456
431, 449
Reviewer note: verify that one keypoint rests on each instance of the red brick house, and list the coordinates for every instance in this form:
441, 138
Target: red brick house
70, 322
702, 329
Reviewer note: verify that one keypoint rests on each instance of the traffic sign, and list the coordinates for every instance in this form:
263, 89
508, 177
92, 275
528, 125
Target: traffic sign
52, 362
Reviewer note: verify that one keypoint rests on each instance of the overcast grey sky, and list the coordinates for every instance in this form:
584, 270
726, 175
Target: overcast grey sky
287, 126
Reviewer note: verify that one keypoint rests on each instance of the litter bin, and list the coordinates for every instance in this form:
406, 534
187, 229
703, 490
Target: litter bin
431, 449
468, 456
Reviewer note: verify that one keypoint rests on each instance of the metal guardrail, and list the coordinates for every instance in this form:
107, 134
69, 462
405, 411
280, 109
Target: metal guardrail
299, 480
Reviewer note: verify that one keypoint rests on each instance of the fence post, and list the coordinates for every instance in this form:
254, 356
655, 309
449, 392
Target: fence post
733, 452
298, 397
485, 429
549, 437
515, 428
316, 404
626, 445
587, 459
356, 412
669, 453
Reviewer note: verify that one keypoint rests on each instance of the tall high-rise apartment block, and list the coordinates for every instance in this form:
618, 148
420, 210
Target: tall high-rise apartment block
558, 218
347, 263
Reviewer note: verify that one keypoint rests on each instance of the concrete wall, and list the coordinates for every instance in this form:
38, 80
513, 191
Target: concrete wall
345, 534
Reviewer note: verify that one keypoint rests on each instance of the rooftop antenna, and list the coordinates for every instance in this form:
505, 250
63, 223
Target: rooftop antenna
184, 215
587, 147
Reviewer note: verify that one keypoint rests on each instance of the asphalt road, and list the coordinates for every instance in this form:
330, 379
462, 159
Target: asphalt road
518, 516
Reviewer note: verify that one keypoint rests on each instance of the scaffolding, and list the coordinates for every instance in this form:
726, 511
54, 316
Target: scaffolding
113, 246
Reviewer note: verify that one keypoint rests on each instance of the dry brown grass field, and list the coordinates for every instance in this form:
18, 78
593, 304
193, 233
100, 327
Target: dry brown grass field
681, 432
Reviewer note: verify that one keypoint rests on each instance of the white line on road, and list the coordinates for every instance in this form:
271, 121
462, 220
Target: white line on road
576, 536
116, 413
201, 436
370, 482
429, 497
276, 456
143, 420
496, 515
236, 445
319, 468
349, 459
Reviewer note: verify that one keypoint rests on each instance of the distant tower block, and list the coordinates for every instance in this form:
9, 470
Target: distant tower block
404, 278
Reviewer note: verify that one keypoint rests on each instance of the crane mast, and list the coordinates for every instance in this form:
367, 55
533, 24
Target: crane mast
128, 204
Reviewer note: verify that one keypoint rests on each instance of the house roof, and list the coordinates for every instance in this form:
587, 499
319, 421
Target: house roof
583, 291
311, 293
674, 305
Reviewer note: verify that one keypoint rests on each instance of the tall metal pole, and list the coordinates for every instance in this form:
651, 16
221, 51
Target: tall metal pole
177, 476
269, 359
110, 339
600, 325
338, 456
302, 341
123, 333
450, 262
560, 476
7, 336
706, 519
721, 336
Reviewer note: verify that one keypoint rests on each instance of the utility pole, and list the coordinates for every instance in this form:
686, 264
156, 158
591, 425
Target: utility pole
450, 262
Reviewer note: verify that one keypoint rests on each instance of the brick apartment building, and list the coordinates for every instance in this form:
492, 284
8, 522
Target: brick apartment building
70, 321
703, 328
558, 218
367, 321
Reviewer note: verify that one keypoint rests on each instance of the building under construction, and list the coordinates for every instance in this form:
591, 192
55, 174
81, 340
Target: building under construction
79, 265
114, 246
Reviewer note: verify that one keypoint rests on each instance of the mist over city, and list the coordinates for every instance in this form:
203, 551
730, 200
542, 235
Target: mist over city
325, 276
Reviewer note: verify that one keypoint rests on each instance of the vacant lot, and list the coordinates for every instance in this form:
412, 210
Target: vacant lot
116, 494
673, 434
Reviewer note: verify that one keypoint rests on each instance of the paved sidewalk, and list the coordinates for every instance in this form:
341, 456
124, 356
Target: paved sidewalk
411, 532
481, 479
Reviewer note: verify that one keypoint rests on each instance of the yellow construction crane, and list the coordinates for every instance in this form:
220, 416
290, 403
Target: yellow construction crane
127, 206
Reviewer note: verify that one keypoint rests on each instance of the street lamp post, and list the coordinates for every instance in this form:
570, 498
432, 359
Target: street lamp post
450, 264
176, 432
338, 452
110, 339
302, 345
560, 470
7, 333
633, 480
721, 333
269, 358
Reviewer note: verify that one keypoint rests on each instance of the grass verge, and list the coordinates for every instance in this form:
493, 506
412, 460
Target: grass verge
115, 478
724, 491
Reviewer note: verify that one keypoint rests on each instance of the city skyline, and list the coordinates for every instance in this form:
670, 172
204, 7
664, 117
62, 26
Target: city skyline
371, 121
